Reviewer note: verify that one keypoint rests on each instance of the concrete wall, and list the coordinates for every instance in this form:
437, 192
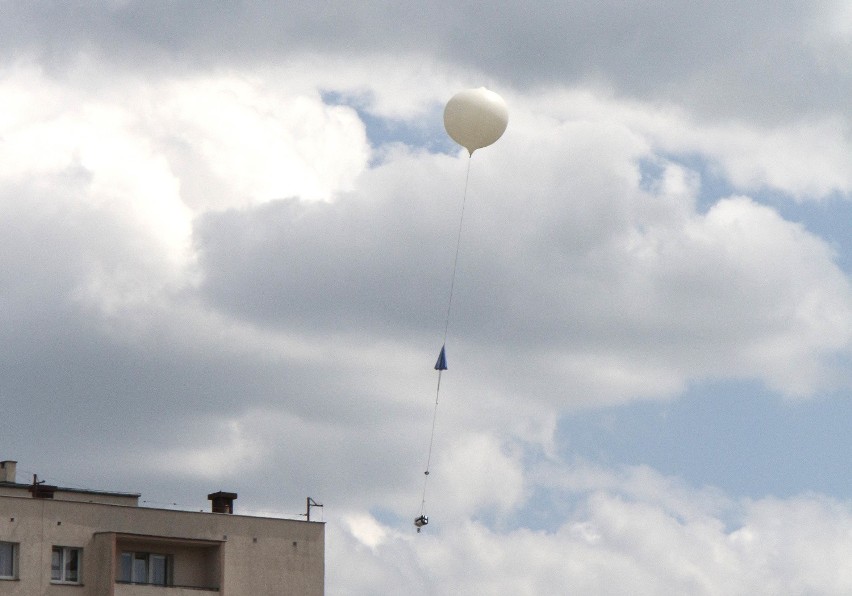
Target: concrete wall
259, 556
98, 575
128, 590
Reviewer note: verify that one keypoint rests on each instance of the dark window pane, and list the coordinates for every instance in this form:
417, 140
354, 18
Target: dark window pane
7, 559
125, 571
158, 570
140, 568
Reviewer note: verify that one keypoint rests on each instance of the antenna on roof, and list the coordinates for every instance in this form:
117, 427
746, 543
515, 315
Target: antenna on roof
309, 502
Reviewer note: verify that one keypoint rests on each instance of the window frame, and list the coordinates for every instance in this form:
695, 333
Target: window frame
14, 548
64, 559
149, 570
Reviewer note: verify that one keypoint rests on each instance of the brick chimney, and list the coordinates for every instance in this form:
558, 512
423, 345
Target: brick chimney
222, 502
7, 470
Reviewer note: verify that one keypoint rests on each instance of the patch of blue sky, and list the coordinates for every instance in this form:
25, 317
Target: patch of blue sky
387, 517
546, 509
714, 185
425, 133
736, 436
828, 217
651, 172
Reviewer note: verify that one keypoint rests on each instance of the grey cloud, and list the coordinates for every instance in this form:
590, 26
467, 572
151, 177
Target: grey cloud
750, 60
366, 265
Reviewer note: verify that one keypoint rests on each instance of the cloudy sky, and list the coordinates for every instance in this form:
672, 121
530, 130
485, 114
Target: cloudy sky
226, 239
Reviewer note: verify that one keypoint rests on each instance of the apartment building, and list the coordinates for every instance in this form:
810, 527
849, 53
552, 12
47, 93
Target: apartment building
63, 541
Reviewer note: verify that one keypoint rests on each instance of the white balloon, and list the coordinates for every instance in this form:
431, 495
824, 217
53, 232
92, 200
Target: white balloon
475, 118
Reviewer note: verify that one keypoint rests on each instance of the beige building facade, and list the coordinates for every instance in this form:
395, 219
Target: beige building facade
56, 541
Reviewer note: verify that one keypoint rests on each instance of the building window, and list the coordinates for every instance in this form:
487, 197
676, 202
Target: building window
65, 565
8, 560
145, 568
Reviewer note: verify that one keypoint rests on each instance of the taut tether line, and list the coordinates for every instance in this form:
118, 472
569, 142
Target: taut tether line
474, 118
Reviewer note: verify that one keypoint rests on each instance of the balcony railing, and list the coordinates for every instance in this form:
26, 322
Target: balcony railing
141, 589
